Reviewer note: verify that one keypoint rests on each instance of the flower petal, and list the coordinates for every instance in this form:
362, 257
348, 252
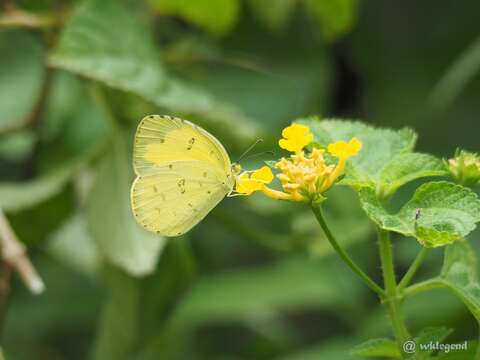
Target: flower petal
343, 149
264, 174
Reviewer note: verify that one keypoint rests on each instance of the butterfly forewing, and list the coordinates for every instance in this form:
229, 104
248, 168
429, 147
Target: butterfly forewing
162, 139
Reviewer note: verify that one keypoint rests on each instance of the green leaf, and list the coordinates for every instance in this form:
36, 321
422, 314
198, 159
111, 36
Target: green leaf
274, 13
120, 239
320, 287
380, 146
378, 347
22, 72
136, 309
459, 274
335, 17
17, 146
438, 213
407, 167
124, 57
460, 354
429, 335
216, 16
73, 245
335, 349
79, 136
119, 320
15, 196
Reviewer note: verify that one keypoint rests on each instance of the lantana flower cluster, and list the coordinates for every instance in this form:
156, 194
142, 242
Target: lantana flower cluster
304, 175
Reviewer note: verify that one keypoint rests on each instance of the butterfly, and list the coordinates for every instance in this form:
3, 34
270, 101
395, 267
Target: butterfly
182, 171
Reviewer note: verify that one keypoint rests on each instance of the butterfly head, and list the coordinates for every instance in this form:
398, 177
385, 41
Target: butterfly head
236, 169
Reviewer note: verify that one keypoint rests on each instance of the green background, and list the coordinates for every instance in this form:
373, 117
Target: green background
255, 279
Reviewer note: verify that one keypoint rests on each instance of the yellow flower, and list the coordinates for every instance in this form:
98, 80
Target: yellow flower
307, 177
304, 177
295, 137
342, 149
251, 181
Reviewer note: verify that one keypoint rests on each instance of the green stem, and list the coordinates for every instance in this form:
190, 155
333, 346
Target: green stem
345, 257
392, 300
407, 278
423, 286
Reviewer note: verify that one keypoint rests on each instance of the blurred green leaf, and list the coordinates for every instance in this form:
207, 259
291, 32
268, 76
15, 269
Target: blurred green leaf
239, 295
20, 79
17, 146
455, 79
336, 349
72, 244
335, 17
216, 16
136, 309
377, 348
273, 13
380, 146
459, 273
404, 168
119, 238
15, 196
124, 57
438, 213
118, 324
429, 335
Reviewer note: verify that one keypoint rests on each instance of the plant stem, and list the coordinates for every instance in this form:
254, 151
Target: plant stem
345, 257
413, 269
434, 283
14, 255
392, 300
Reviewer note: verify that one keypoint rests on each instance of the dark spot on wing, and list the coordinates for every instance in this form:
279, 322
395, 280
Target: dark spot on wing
155, 189
204, 174
170, 166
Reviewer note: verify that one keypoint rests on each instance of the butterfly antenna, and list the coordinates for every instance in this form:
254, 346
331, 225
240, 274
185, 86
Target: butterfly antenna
249, 149
269, 152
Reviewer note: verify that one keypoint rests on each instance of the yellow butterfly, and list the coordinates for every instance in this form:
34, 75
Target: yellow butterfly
182, 171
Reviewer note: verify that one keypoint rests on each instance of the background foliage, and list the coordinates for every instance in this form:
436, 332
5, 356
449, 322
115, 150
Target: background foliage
251, 281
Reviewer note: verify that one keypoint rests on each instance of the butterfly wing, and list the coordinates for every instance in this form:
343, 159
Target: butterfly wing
183, 173
162, 139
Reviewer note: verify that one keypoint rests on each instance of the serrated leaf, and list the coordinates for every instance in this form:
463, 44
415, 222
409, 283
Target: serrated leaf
124, 57
439, 213
335, 17
274, 13
404, 168
378, 347
216, 16
430, 335
380, 146
459, 274
460, 354
22, 72
120, 239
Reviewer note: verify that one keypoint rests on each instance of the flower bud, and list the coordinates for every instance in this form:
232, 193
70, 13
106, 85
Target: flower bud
465, 167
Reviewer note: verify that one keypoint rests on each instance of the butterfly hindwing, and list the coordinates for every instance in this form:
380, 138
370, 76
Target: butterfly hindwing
175, 198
